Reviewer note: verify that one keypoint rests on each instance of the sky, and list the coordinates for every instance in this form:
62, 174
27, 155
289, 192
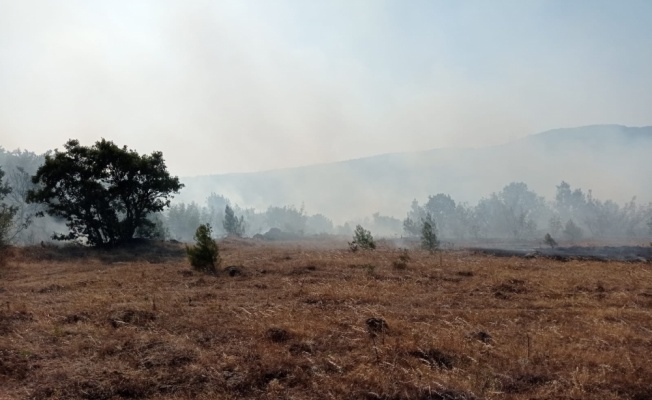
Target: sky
242, 86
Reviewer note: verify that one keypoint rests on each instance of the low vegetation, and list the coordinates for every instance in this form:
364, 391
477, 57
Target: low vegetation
428, 236
550, 241
316, 321
204, 255
362, 239
7, 214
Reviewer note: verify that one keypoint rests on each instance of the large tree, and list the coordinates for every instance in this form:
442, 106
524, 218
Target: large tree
104, 192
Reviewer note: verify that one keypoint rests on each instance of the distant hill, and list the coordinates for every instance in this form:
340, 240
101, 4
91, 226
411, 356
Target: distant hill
612, 160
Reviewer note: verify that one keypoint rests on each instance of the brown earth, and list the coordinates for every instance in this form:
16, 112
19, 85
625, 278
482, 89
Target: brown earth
298, 320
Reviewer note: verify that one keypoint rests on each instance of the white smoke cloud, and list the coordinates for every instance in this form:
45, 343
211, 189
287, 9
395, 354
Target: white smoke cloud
233, 86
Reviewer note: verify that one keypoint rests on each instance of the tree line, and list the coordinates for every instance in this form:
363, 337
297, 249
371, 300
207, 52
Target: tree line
516, 212
105, 195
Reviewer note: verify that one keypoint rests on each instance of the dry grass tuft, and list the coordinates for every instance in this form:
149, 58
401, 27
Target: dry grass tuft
292, 320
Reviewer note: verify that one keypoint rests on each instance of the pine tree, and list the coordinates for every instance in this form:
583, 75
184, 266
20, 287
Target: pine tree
362, 239
204, 255
232, 225
428, 234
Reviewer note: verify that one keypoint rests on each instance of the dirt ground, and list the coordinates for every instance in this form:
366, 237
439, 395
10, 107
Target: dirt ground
312, 320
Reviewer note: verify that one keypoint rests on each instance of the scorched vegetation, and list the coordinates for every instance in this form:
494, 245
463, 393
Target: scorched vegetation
313, 320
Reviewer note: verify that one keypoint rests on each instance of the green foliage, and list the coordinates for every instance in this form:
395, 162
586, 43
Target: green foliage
156, 229
204, 255
104, 192
232, 225
362, 239
428, 234
7, 213
550, 241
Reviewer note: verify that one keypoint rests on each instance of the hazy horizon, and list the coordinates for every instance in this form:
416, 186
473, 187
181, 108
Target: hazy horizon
243, 86
604, 167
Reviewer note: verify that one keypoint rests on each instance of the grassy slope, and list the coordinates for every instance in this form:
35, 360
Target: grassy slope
293, 326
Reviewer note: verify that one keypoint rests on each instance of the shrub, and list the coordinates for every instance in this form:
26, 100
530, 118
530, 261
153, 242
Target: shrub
550, 241
362, 239
428, 236
204, 255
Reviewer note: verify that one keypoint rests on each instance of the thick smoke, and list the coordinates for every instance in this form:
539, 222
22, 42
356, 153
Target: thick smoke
230, 88
517, 212
243, 86
609, 160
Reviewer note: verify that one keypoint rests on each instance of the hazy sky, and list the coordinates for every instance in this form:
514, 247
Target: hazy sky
229, 86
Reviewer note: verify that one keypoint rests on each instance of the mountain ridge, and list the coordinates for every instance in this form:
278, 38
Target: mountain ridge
610, 159
647, 134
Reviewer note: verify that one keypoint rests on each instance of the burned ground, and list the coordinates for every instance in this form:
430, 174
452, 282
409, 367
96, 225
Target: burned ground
293, 323
586, 253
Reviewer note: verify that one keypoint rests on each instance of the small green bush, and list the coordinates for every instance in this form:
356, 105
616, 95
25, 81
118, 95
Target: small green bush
362, 239
204, 255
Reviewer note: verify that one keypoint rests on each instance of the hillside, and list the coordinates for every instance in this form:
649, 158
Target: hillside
609, 159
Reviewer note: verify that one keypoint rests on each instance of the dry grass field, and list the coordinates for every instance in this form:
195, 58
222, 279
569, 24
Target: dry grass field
290, 322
